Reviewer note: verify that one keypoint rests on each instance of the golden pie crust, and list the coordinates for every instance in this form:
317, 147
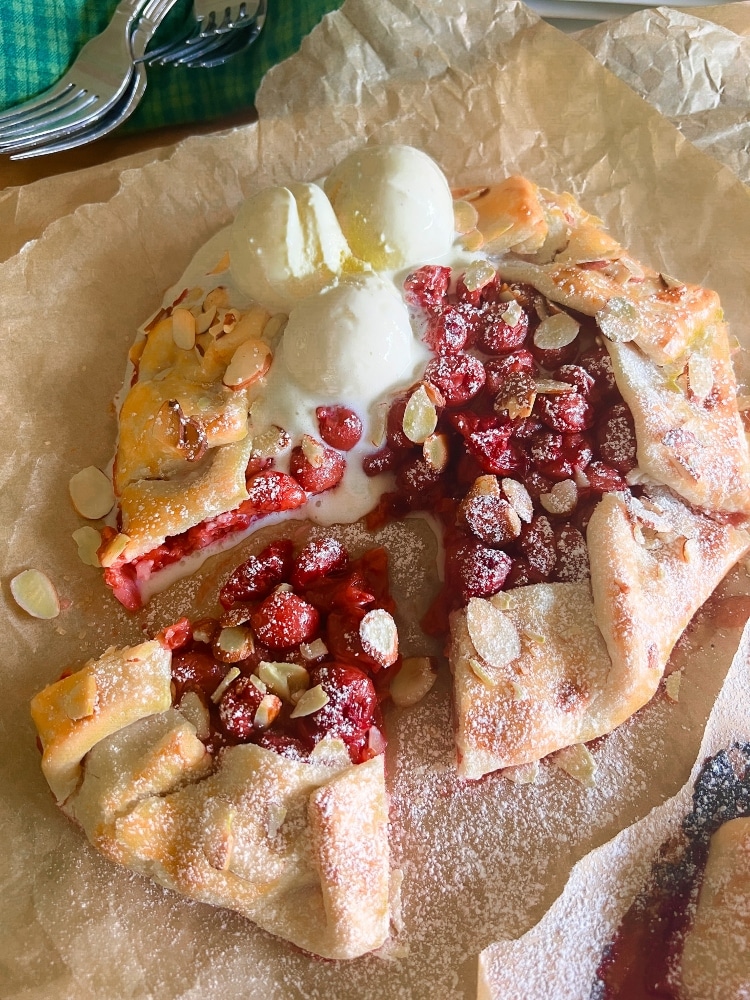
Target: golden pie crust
298, 847
593, 654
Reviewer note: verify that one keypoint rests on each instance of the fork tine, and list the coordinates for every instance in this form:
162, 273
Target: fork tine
63, 122
55, 112
231, 46
52, 95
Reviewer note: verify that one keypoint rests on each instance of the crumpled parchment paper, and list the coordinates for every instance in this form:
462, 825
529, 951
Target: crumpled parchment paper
487, 89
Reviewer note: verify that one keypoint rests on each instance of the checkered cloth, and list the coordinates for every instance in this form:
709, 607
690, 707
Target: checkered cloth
40, 38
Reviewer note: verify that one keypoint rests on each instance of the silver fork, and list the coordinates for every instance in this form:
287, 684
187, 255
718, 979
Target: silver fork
92, 85
207, 25
146, 27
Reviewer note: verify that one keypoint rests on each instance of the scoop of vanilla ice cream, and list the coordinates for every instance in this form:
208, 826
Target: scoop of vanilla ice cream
286, 243
394, 205
352, 341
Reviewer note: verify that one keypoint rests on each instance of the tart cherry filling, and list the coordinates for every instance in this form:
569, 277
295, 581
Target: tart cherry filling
315, 466
304, 650
514, 433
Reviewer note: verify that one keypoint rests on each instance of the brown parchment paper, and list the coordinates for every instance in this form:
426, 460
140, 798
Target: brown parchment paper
487, 89
713, 110
559, 957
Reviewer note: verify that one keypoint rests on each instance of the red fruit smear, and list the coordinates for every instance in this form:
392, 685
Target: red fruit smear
284, 620
339, 426
459, 377
258, 576
238, 706
351, 710
427, 287
317, 559
317, 478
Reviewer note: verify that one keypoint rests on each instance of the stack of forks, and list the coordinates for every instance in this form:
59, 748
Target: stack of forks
108, 78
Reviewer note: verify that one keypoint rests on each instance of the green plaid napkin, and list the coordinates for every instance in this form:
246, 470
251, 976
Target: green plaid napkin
40, 38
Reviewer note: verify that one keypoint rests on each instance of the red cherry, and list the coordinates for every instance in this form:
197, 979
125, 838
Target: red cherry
498, 369
285, 620
459, 377
615, 436
280, 743
476, 570
339, 426
577, 376
497, 336
394, 423
604, 479
320, 477
351, 709
452, 329
196, 671
569, 412
416, 481
537, 542
381, 461
598, 364
553, 358
258, 575
272, 491
317, 559
238, 706
572, 565
175, 636
427, 287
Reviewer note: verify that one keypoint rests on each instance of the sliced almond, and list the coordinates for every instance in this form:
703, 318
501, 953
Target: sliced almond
420, 416
258, 683
267, 711
183, 328
379, 636
217, 298
233, 644
435, 450
512, 313
313, 451
561, 499
478, 274
270, 442
465, 217
91, 492
330, 751
79, 701
672, 685
311, 701
204, 320
274, 327
194, 709
517, 396
183, 434
485, 674
619, 320
671, 282
229, 678
493, 633
555, 332
519, 498
113, 549
700, 377
250, 361
314, 650
578, 762
238, 615
89, 542
205, 629
415, 678
283, 678
472, 241
376, 741
522, 774
378, 418
551, 387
